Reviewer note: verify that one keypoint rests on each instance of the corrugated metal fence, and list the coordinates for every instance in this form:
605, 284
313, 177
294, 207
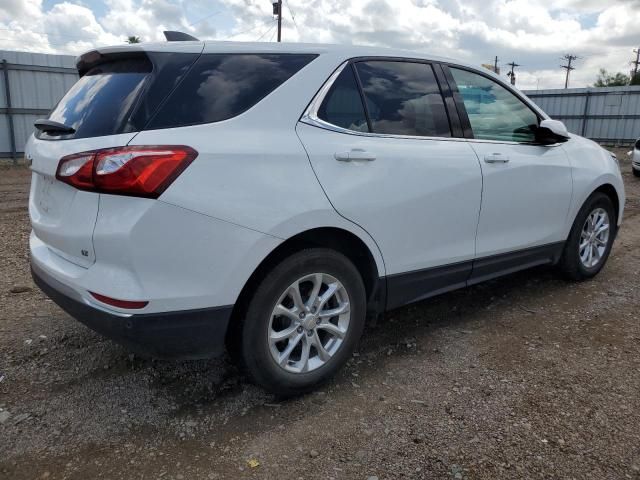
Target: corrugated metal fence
30, 85
609, 115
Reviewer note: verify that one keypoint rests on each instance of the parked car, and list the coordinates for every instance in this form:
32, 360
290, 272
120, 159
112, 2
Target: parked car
188, 196
635, 159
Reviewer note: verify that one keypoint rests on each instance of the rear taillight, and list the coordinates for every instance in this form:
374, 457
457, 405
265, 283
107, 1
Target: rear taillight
140, 171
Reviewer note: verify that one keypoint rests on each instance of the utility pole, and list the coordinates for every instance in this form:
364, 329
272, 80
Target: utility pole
512, 73
495, 66
277, 10
569, 58
635, 62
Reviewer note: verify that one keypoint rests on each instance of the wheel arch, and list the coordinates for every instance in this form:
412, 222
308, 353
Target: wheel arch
335, 238
610, 191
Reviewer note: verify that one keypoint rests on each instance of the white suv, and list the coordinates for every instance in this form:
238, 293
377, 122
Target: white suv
635, 159
189, 196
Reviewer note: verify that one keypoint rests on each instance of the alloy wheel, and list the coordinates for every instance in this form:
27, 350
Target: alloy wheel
309, 323
594, 238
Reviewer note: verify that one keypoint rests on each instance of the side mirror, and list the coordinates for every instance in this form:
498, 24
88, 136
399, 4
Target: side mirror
552, 131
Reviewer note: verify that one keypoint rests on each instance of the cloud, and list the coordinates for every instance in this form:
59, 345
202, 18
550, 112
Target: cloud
534, 33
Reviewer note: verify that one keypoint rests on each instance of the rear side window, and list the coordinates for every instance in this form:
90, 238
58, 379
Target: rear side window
343, 104
101, 101
221, 86
403, 98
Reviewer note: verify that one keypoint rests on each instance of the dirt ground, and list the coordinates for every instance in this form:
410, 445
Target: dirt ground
524, 377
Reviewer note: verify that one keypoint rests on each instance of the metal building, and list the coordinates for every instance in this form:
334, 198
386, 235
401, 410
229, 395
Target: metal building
609, 115
30, 86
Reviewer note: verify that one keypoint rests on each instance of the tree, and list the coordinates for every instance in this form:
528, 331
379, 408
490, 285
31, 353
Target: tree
605, 79
133, 39
635, 80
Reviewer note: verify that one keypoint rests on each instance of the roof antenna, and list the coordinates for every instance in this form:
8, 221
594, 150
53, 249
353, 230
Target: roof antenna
173, 36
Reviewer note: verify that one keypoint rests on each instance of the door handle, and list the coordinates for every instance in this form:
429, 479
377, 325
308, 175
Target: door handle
355, 154
496, 158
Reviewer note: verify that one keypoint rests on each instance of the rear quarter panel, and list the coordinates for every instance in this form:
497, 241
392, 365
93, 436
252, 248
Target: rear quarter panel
253, 171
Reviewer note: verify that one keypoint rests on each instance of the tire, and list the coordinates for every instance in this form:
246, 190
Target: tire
571, 264
636, 173
306, 269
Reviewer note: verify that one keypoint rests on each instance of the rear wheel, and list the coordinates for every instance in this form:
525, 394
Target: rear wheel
303, 321
591, 238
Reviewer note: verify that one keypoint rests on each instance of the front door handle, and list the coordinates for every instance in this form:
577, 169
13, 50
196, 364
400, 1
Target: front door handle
496, 158
356, 154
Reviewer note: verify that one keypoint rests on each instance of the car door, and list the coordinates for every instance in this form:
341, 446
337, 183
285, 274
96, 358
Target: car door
386, 160
527, 187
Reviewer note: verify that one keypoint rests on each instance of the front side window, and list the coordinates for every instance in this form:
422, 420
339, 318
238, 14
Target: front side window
403, 98
494, 112
343, 104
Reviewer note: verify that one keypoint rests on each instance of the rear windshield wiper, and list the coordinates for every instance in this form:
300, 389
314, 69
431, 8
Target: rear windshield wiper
51, 126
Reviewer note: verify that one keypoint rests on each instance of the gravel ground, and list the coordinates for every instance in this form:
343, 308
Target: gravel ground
524, 377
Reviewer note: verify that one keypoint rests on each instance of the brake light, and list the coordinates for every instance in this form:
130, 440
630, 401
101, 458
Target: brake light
140, 171
119, 303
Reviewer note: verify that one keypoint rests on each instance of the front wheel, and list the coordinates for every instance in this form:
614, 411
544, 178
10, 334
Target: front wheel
303, 321
635, 172
591, 238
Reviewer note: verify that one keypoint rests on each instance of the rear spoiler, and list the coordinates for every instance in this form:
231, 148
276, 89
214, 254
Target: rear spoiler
87, 61
90, 59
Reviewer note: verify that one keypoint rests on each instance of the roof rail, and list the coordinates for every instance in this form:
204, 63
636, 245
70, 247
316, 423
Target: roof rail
173, 36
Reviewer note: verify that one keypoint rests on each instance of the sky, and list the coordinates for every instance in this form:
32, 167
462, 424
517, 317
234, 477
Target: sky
533, 33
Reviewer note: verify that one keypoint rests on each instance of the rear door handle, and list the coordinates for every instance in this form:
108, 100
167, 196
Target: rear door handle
355, 154
496, 158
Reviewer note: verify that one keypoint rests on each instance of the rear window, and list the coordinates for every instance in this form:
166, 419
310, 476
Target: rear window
221, 86
101, 102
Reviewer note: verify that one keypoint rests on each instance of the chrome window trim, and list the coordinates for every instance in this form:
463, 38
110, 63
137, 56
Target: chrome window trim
310, 117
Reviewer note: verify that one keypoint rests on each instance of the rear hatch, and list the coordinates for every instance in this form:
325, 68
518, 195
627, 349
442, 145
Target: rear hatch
116, 95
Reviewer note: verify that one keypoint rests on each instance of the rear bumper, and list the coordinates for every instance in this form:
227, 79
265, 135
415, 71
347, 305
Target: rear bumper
183, 334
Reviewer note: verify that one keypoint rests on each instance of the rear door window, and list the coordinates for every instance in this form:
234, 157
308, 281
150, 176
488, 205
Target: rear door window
222, 86
343, 104
403, 98
101, 102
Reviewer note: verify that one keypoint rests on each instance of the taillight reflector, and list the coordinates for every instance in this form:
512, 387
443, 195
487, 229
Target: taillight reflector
114, 302
141, 171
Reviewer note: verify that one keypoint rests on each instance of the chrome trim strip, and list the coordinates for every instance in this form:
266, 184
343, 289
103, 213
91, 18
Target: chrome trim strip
310, 117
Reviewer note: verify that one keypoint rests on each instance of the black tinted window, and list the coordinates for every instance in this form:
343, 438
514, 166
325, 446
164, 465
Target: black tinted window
101, 102
343, 104
221, 86
403, 98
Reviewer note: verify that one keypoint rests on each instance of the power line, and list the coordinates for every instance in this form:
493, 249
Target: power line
206, 17
293, 17
569, 58
268, 30
249, 29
